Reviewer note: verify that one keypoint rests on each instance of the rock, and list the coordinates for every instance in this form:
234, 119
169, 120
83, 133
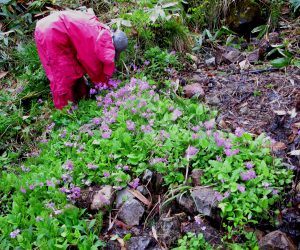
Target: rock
276, 240
142, 190
131, 212
113, 245
196, 78
211, 235
213, 100
168, 230
244, 110
254, 56
243, 16
102, 198
123, 196
233, 56
148, 175
211, 62
291, 223
206, 201
187, 203
194, 89
142, 243
196, 175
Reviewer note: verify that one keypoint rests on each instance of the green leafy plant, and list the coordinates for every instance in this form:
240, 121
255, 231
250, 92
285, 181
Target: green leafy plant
295, 4
193, 242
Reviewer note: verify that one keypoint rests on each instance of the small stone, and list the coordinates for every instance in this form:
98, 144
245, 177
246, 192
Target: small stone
206, 201
213, 100
168, 230
102, 198
187, 203
141, 243
148, 174
142, 190
244, 110
196, 175
123, 196
131, 212
254, 56
196, 78
194, 89
232, 56
276, 240
211, 62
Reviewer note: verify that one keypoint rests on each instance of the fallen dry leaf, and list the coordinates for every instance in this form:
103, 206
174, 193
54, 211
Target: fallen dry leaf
139, 196
244, 65
277, 146
279, 112
3, 74
295, 152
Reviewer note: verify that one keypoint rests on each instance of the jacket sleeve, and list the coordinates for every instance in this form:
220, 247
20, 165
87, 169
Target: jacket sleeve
105, 51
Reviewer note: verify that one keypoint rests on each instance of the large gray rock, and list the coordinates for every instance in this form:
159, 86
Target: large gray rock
276, 240
142, 243
147, 177
123, 196
131, 212
168, 230
206, 201
187, 203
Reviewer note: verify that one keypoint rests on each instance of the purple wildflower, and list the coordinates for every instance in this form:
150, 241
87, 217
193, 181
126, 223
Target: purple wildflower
195, 128
241, 188
209, 124
191, 151
22, 190
106, 134
106, 174
69, 166
57, 211
66, 178
130, 125
63, 190
157, 160
91, 166
275, 192
50, 183
93, 91
163, 134
50, 205
195, 136
197, 219
249, 164
63, 134
69, 144
51, 126
40, 101
97, 121
146, 128
239, 132
176, 113
32, 186
218, 158
248, 175
74, 193
126, 168
135, 183
14, 233
219, 196
226, 194
230, 152
146, 62
44, 141
227, 144
265, 184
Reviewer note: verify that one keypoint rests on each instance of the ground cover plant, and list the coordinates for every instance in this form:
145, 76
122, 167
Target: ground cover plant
124, 133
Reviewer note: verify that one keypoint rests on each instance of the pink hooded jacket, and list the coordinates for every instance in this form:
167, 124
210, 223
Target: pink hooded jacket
70, 44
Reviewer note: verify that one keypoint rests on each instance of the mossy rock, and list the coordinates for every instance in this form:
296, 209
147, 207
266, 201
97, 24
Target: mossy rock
244, 15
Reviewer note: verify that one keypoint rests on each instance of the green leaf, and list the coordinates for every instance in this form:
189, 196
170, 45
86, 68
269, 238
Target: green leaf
281, 62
